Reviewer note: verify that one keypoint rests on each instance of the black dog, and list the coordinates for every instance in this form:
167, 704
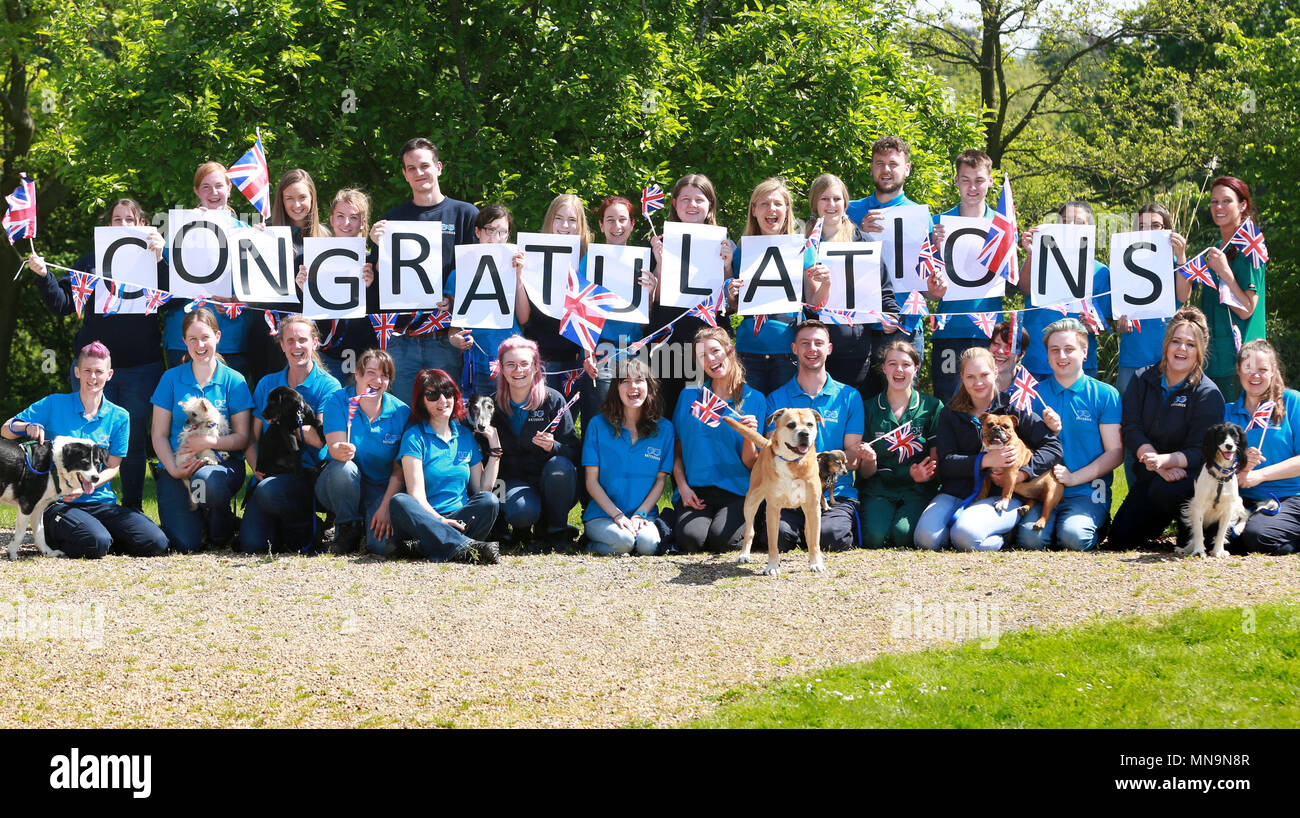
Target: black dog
279, 450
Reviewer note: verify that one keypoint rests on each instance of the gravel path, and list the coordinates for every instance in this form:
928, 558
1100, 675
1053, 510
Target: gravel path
538, 641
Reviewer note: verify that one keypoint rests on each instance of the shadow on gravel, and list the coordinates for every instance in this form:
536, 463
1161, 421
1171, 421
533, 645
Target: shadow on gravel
707, 573
1154, 557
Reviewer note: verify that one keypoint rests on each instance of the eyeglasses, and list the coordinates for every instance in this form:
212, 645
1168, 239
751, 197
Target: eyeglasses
496, 233
445, 392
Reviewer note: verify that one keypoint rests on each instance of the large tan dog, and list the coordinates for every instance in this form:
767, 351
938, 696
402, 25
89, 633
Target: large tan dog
998, 431
784, 476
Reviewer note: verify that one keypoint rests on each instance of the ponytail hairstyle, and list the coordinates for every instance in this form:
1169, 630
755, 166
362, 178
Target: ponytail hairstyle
312, 328
961, 401
735, 388
204, 315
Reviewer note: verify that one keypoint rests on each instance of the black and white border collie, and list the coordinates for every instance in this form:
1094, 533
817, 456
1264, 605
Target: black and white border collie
1216, 498
31, 483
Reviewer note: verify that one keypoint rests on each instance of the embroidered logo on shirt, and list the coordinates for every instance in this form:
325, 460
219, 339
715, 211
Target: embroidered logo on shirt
653, 453
1181, 401
831, 414
391, 439
1082, 415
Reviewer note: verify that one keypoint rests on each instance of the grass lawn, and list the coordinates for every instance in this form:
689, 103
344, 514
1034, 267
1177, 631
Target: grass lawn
1233, 667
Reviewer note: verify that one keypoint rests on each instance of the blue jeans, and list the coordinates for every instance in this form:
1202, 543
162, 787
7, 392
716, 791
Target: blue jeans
979, 527
411, 355
214, 486
439, 541
557, 491
767, 373
131, 388
606, 538
279, 513
340, 489
91, 529
1073, 524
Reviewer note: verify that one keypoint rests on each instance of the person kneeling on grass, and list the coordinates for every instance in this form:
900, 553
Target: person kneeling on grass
447, 504
634, 445
89, 525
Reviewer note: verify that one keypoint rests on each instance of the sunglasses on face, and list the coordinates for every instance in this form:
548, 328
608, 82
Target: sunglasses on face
445, 392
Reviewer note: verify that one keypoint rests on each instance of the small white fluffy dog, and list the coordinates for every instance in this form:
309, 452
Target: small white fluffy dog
1216, 498
201, 418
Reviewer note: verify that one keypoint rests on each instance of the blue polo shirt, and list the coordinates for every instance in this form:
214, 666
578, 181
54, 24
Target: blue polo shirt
841, 410
627, 470
316, 390
857, 209
963, 326
447, 463
1281, 443
1036, 320
227, 391
1141, 348
1083, 407
377, 441
711, 456
63, 414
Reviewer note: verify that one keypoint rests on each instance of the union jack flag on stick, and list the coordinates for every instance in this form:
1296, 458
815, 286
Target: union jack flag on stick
709, 408
354, 403
708, 309
570, 379
930, 261
1262, 417
1024, 391
999, 252
1250, 239
584, 314
652, 199
20, 219
655, 337
553, 425
904, 441
811, 244
253, 178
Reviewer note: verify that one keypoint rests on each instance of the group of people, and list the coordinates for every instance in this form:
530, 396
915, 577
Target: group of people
396, 475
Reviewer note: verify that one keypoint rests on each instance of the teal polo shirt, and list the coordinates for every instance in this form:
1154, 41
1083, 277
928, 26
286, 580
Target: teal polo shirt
316, 390
842, 414
627, 470
1083, 407
1282, 442
228, 391
63, 414
857, 209
377, 440
446, 463
711, 456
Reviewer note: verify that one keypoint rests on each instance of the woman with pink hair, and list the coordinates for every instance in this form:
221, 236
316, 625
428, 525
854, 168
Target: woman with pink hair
537, 462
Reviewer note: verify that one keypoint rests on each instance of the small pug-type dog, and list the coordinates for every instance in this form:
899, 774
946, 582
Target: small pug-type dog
998, 431
831, 465
784, 476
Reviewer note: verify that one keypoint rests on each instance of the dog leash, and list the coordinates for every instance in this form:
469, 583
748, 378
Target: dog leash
1222, 474
27, 457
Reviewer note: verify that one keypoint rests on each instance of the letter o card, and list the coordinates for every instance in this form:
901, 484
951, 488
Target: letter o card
967, 278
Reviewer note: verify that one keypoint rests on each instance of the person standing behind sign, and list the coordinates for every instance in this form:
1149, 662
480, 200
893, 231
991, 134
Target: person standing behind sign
422, 168
1230, 206
134, 339
492, 225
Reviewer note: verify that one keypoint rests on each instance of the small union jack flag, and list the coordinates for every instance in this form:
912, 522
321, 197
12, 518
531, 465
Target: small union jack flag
494, 366
423, 323
930, 261
1250, 239
1236, 335
904, 442
201, 301
570, 379
986, 321
114, 290
253, 178
708, 308
20, 219
759, 321
999, 252
269, 317
1024, 391
811, 243
154, 299
915, 304
584, 314
232, 309
1262, 417
1197, 269
83, 287
385, 324
553, 425
1063, 308
652, 199
709, 408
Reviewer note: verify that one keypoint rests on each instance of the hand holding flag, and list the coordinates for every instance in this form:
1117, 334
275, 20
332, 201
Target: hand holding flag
1250, 240
354, 403
1024, 392
1197, 269
709, 407
652, 199
555, 424
904, 442
1262, 417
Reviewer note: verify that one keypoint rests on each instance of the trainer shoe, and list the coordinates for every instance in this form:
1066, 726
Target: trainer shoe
347, 537
477, 551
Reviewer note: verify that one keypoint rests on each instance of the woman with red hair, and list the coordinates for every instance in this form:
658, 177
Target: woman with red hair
448, 504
